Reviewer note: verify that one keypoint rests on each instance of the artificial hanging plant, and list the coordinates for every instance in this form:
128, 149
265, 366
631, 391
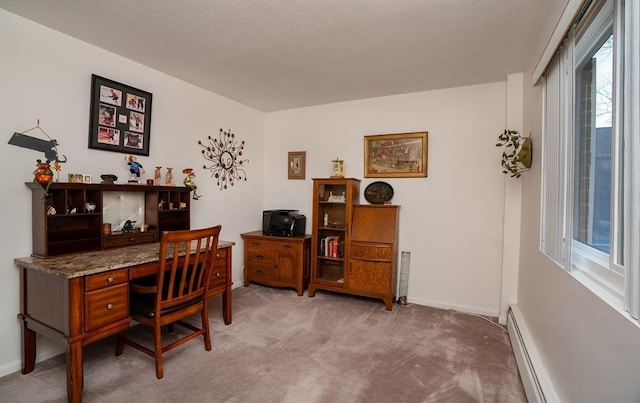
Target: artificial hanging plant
516, 158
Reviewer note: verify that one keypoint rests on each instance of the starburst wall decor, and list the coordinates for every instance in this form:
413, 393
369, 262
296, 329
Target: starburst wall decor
225, 153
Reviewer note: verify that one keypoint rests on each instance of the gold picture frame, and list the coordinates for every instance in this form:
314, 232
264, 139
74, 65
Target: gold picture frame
296, 164
398, 155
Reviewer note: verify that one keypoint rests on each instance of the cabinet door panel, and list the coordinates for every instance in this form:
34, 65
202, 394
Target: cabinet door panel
370, 276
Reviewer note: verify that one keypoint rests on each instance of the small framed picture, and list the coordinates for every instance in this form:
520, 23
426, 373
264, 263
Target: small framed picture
296, 164
75, 178
86, 178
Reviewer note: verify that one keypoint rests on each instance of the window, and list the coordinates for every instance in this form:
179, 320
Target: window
589, 182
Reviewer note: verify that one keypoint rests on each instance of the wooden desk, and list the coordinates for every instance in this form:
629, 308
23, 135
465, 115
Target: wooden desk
82, 298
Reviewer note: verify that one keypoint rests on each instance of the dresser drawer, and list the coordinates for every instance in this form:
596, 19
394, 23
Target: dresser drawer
261, 256
106, 279
259, 272
267, 245
133, 238
371, 251
106, 306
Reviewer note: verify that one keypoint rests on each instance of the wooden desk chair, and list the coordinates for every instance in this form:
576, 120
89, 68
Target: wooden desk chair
178, 291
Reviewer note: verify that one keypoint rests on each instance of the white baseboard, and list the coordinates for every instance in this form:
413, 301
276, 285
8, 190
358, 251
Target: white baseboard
536, 382
456, 307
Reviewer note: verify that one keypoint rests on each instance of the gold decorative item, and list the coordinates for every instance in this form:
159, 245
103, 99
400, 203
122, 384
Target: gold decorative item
189, 182
337, 168
157, 176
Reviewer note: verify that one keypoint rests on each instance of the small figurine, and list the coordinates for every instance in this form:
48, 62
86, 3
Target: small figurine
188, 182
135, 168
168, 177
157, 176
128, 226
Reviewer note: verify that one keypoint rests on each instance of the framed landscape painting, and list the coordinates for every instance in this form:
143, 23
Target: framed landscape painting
400, 155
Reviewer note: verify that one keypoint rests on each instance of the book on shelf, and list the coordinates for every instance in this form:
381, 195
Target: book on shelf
331, 246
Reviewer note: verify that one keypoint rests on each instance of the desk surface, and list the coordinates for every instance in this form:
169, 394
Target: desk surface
86, 263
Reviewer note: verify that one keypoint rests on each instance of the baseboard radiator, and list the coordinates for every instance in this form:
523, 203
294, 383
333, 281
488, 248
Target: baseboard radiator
537, 385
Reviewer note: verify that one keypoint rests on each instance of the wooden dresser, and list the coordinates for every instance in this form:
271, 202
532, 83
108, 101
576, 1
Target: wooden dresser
277, 261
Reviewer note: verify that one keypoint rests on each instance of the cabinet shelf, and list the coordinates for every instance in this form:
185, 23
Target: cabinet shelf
335, 259
62, 232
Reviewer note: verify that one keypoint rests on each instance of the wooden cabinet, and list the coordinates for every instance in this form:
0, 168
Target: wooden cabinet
277, 261
333, 203
373, 264
62, 222
364, 261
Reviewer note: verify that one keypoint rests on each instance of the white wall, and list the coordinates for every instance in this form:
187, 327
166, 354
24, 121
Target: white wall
591, 351
47, 75
452, 221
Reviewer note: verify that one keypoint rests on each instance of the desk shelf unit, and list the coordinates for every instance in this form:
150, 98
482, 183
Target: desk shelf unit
62, 224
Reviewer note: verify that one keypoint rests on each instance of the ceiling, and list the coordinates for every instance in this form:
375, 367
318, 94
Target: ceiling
281, 54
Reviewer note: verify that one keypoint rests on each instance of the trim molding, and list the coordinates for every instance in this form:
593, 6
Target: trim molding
536, 382
570, 12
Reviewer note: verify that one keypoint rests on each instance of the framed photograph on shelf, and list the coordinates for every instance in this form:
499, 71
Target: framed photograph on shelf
120, 117
400, 155
296, 164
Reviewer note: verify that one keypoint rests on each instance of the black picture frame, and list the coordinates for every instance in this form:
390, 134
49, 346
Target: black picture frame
120, 117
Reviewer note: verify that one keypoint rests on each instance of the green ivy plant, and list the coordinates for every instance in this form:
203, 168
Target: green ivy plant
516, 157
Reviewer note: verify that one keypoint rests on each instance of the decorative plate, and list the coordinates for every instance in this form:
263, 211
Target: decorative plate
378, 192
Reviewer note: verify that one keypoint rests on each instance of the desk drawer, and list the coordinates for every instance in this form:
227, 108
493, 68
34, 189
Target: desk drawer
132, 238
221, 255
218, 276
106, 306
106, 279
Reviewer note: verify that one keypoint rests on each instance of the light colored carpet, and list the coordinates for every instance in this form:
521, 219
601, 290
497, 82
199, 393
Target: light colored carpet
285, 348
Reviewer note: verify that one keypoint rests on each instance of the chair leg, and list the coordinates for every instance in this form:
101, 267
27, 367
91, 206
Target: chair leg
120, 343
157, 342
205, 326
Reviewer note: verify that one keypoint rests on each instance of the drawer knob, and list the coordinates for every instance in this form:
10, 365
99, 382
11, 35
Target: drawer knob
217, 274
217, 255
110, 280
109, 307
132, 239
